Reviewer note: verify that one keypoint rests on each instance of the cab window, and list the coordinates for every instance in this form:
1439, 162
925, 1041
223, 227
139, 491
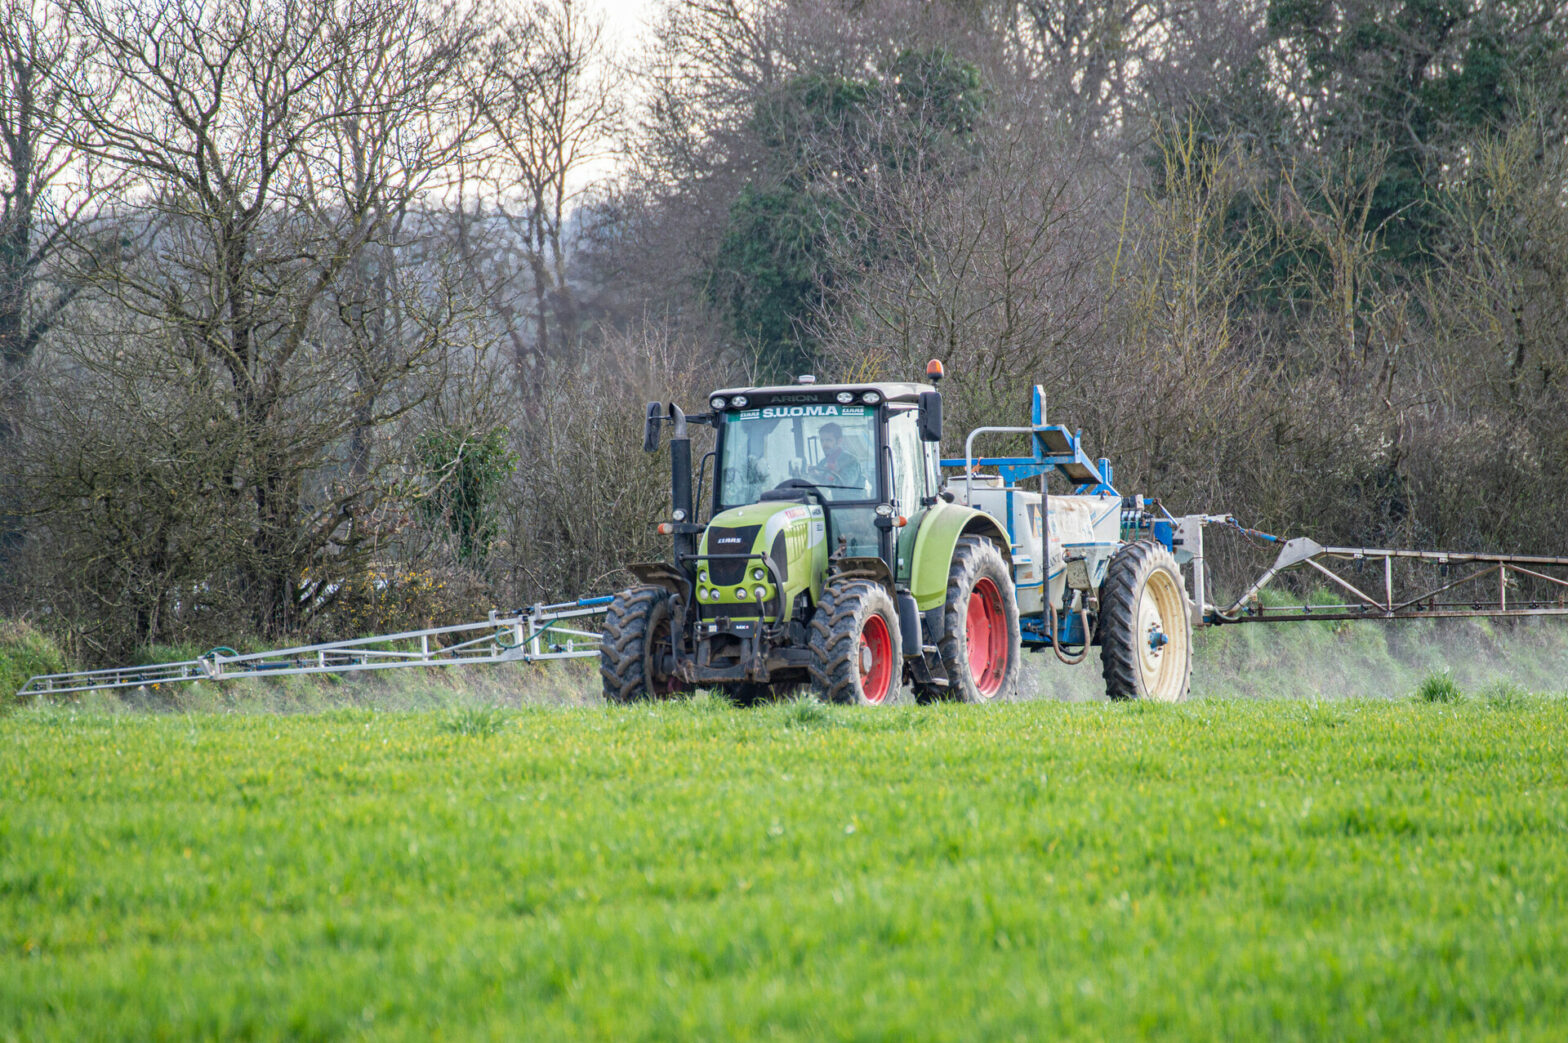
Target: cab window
909, 465
831, 446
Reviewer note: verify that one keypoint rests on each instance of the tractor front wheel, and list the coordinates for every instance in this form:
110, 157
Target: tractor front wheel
855, 653
980, 643
1145, 625
636, 650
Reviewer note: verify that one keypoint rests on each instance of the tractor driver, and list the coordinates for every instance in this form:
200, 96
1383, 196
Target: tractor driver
838, 465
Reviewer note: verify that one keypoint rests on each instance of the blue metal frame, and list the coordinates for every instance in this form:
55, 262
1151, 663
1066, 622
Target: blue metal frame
1015, 469
1069, 631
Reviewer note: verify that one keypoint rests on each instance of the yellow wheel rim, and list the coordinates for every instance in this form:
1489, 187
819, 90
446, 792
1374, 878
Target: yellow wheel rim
1163, 638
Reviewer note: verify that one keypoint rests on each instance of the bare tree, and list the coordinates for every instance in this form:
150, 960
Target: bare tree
276, 145
591, 453
550, 102
1504, 302
989, 268
1325, 220
384, 168
1104, 60
710, 61
1181, 386
48, 192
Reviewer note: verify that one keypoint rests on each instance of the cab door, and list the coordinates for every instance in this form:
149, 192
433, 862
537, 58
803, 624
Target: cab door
913, 480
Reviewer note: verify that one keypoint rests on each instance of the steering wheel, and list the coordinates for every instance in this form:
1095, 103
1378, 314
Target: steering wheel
807, 485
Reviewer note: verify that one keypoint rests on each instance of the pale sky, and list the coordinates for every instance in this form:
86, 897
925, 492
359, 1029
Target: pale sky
625, 21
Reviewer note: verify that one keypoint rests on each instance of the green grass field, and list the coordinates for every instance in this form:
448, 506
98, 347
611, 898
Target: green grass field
1281, 870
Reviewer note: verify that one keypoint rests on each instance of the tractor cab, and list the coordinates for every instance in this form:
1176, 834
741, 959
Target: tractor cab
854, 452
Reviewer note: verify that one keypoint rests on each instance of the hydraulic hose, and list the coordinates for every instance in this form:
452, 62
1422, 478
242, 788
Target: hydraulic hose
1083, 618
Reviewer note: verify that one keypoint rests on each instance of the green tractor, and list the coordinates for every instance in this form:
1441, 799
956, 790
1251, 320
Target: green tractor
831, 557
836, 556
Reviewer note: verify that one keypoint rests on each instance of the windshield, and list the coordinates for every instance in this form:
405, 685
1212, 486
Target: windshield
828, 445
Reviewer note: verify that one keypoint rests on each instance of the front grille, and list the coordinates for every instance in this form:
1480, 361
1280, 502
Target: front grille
710, 613
739, 611
726, 572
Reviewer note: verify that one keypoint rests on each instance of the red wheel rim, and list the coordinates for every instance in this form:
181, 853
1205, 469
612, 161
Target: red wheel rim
986, 632
874, 656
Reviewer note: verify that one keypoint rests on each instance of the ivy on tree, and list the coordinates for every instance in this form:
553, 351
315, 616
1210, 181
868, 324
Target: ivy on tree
827, 140
466, 472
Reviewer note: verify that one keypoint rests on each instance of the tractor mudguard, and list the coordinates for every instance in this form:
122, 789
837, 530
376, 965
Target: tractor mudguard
662, 574
940, 528
874, 569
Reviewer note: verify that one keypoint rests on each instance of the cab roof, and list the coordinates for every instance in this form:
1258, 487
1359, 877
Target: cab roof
772, 394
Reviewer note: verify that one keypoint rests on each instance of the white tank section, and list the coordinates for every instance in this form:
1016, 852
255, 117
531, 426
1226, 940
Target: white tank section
1085, 532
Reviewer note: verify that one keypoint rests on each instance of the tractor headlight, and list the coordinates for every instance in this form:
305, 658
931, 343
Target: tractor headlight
717, 402
757, 574
871, 398
740, 592
762, 594
739, 401
702, 593
846, 397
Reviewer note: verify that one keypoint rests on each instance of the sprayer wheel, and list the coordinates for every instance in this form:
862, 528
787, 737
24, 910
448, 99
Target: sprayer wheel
636, 645
1145, 625
980, 643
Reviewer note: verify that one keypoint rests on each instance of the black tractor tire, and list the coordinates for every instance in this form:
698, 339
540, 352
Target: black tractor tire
856, 656
1145, 625
980, 645
637, 637
755, 693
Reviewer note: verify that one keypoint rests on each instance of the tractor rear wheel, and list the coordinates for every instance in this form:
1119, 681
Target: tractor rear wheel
980, 644
1145, 625
637, 647
855, 653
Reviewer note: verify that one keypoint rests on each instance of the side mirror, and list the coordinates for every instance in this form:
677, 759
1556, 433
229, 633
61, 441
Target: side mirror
930, 416
650, 431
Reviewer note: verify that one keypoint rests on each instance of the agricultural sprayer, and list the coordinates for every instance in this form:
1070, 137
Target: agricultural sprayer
842, 551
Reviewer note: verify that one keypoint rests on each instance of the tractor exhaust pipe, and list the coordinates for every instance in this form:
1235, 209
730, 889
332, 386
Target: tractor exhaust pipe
680, 491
